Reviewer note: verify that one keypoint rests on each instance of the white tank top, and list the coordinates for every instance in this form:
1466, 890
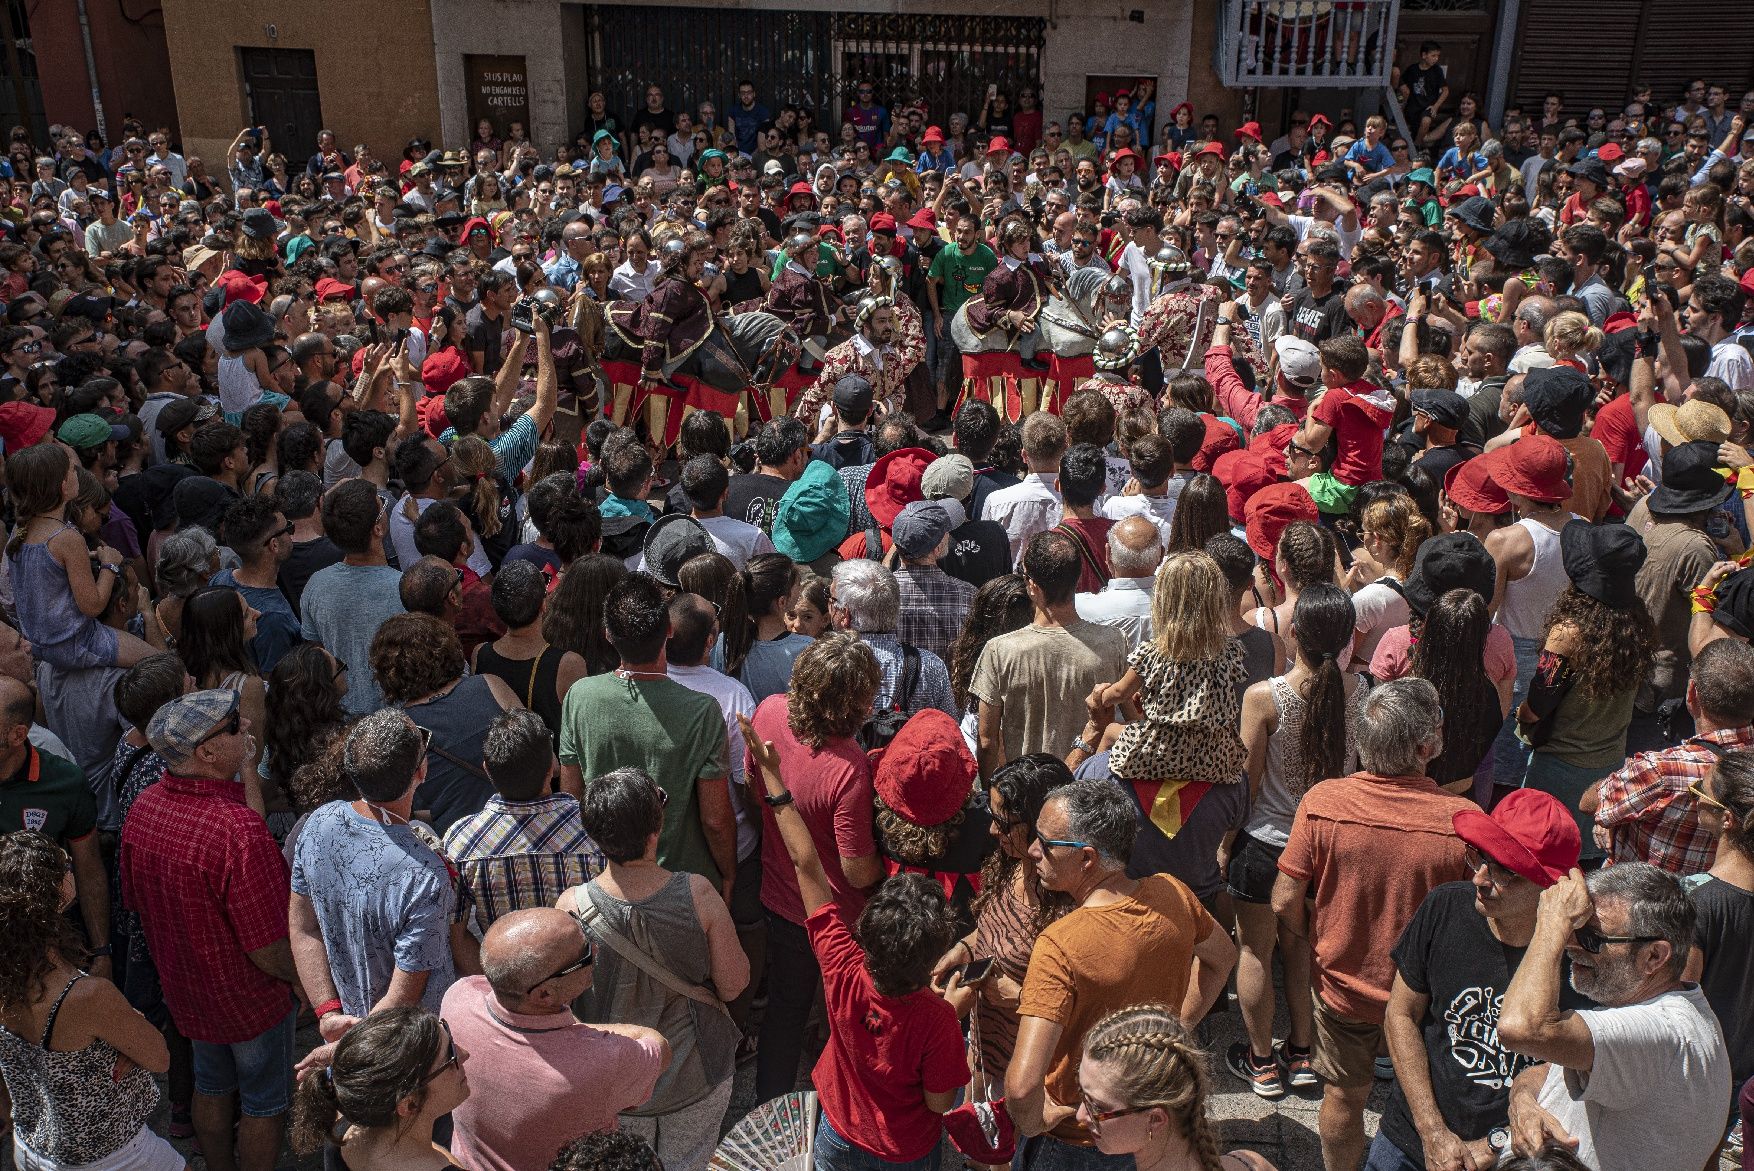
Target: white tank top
238, 388
1526, 600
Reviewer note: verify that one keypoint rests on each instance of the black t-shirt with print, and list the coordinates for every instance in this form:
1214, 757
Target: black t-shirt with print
1316, 319
1725, 933
1449, 953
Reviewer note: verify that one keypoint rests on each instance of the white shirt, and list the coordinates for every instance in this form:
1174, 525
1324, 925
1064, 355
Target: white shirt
1138, 266
632, 285
1025, 509
402, 537
736, 539
1301, 224
1159, 510
733, 699
1124, 604
1733, 364
1533, 356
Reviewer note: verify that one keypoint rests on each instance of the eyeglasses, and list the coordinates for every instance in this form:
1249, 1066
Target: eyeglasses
1398, 147
30, 347
1674, 132
579, 965
340, 670
1098, 1117
1049, 843
1593, 941
1496, 871
451, 1056
282, 532
1697, 788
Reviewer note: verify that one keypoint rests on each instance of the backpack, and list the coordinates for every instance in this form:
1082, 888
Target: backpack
882, 727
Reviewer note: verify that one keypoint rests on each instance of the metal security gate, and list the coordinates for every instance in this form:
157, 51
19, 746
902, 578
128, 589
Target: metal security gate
808, 59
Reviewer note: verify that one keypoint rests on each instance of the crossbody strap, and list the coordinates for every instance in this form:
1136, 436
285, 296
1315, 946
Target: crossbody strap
592, 920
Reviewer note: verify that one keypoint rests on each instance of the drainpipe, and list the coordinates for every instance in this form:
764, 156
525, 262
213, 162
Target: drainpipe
97, 100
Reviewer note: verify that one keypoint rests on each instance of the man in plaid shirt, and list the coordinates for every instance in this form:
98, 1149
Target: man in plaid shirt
527, 846
1645, 811
211, 888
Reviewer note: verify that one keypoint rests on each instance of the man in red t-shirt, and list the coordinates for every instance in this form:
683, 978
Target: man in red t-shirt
1353, 413
895, 1060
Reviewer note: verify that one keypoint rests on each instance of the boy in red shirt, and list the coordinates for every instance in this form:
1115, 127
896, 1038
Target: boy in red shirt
895, 1059
1355, 414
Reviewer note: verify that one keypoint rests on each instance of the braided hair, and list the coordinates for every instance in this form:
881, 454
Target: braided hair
1157, 1064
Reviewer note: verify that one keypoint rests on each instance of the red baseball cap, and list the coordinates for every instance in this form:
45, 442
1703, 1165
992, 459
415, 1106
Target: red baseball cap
895, 483
443, 370
24, 424
1271, 510
999, 145
882, 221
1530, 833
1533, 466
927, 771
1271, 197
1249, 130
1610, 152
1471, 486
330, 289
1243, 474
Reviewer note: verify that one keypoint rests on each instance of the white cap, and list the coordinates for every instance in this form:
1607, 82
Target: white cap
1300, 363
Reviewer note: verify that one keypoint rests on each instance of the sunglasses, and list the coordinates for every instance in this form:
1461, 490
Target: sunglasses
579, 965
232, 725
1497, 872
32, 347
1697, 788
451, 1056
1098, 1117
1593, 941
1049, 843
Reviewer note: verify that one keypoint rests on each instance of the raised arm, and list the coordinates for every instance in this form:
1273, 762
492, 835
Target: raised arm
511, 372
800, 847
547, 379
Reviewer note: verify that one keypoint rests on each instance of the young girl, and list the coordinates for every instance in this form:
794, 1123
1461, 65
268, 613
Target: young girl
1702, 246
1186, 678
58, 591
1393, 532
809, 613
1298, 729
1568, 337
486, 497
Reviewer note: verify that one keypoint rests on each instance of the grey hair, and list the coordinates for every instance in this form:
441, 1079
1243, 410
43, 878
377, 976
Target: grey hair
1098, 812
867, 591
1646, 145
1127, 562
1398, 719
1655, 906
1269, 416
382, 753
185, 561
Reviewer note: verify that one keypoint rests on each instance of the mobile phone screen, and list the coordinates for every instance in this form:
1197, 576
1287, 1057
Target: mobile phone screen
975, 971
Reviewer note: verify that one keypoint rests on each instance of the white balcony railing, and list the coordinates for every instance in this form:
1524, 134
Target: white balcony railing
1307, 43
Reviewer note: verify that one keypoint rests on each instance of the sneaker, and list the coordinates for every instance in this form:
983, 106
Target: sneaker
1299, 1070
1264, 1080
1733, 1141
1385, 1070
181, 1126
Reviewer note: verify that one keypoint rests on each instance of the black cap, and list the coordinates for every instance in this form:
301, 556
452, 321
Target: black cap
1447, 562
93, 306
1603, 561
1557, 397
853, 396
258, 223
1446, 408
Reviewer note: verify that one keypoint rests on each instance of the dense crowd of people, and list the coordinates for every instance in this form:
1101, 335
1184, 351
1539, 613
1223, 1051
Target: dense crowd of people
373, 659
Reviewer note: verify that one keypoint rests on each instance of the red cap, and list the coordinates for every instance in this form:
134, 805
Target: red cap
895, 483
932, 134
1126, 152
800, 188
1533, 466
999, 145
1172, 157
1179, 107
882, 221
1610, 152
1211, 148
1747, 282
1529, 833
1617, 322
1320, 120
1270, 510
1220, 438
23, 425
1271, 197
240, 286
1470, 485
1099, 100
443, 370
330, 289
829, 230
923, 219
1243, 473
1249, 130
927, 772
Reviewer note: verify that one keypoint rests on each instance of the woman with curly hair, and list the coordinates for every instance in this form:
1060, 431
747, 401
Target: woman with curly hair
390, 1078
573, 620
812, 727
1392, 529
999, 607
1145, 1083
1011, 910
303, 714
419, 664
78, 1060
217, 625
1598, 645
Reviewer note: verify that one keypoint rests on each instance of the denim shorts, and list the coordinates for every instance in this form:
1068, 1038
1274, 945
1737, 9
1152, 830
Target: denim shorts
835, 1153
259, 1070
1254, 865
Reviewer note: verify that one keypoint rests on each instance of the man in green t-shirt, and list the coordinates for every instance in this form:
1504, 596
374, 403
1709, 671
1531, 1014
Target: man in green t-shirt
956, 274
637, 717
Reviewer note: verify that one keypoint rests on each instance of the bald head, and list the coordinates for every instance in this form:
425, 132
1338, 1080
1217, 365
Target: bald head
1366, 306
18, 704
371, 286
1532, 315
522, 949
1135, 548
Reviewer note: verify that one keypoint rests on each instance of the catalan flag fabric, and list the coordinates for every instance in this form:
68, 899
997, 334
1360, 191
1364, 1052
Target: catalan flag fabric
1169, 804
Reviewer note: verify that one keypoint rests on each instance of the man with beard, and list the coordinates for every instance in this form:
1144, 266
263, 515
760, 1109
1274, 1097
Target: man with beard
1644, 1080
873, 352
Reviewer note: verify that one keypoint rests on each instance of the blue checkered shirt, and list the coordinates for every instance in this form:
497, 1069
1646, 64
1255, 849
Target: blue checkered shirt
514, 855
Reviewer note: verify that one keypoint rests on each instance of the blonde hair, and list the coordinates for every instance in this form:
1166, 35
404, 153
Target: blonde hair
1187, 608
1570, 334
1431, 372
1157, 1065
1395, 520
477, 462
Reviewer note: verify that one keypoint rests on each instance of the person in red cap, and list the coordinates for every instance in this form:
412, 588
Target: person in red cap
927, 821
1123, 176
1368, 848
1457, 955
934, 156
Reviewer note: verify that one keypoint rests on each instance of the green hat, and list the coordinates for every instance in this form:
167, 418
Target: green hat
812, 516
1422, 175
88, 430
899, 155
714, 153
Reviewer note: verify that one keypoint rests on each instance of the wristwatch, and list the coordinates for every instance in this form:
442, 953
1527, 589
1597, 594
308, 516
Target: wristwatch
1499, 1140
1080, 744
776, 802
112, 567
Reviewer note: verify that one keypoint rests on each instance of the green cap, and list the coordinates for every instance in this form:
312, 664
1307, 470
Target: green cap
1422, 175
88, 430
811, 518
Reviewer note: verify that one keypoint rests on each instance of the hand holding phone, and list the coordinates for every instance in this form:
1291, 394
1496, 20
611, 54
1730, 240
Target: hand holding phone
974, 971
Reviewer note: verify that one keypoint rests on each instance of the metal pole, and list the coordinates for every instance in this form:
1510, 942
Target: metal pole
1503, 45
97, 100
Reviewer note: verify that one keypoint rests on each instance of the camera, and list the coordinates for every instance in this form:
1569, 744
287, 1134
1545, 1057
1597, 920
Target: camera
526, 309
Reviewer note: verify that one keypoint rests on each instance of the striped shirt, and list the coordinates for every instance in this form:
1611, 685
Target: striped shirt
514, 855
